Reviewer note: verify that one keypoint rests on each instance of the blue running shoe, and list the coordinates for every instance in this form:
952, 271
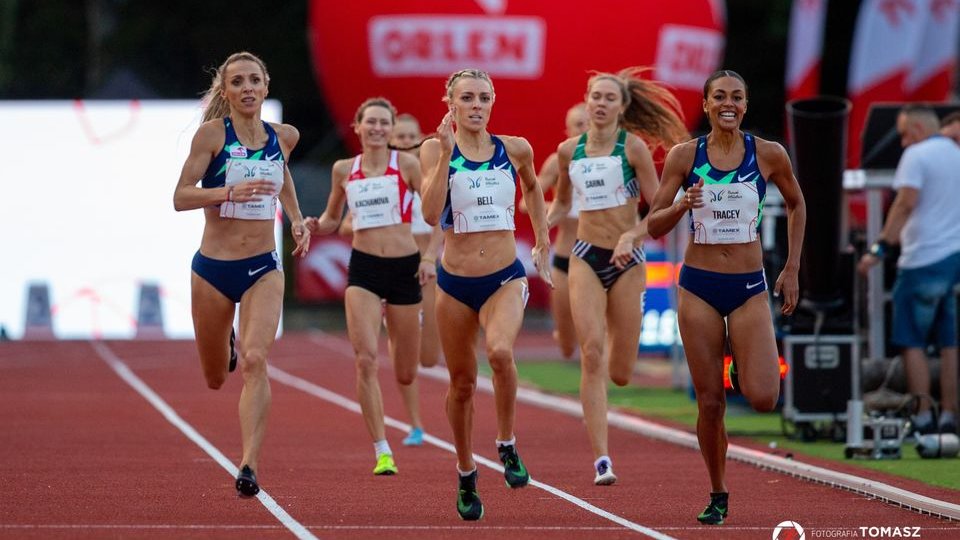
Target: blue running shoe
414, 438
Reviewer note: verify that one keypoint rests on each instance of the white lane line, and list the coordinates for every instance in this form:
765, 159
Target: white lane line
909, 500
124, 372
304, 385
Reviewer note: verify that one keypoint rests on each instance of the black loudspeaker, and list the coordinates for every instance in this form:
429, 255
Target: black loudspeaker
818, 142
881, 143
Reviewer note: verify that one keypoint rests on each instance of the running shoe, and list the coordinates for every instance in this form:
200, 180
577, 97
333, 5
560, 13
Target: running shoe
385, 465
605, 476
414, 438
734, 378
513, 469
247, 482
468, 501
233, 350
714, 513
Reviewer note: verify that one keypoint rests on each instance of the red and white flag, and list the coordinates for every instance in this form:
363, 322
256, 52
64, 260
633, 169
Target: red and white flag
887, 34
805, 48
932, 70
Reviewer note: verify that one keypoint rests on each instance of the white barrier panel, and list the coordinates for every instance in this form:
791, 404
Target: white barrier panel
89, 215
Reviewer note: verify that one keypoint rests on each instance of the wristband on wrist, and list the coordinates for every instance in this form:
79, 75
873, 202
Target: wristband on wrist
879, 249
428, 260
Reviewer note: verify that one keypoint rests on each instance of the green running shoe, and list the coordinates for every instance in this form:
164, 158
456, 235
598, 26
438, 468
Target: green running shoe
714, 513
468, 501
385, 465
513, 469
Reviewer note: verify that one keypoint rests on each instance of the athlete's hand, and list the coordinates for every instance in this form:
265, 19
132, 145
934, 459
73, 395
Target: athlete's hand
427, 271
445, 132
301, 235
311, 225
541, 261
789, 287
623, 252
252, 190
694, 196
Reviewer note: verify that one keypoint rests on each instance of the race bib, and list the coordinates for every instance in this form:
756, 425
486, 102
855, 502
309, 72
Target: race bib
598, 182
245, 170
729, 214
483, 200
374, 202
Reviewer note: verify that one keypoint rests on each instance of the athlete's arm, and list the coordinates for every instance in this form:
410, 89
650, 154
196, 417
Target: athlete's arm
638, 156
521, 154
664, 214
434, 163
329, 220
206, 143
289, 137
563, 191
781, 174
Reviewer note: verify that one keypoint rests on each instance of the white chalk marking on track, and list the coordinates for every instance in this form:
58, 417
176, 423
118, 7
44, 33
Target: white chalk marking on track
304, 385
863, 486
124, 372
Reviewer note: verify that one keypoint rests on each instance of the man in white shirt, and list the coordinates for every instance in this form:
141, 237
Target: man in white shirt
925, 220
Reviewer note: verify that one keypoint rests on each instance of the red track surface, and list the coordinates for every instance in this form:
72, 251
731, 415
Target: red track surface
85, 456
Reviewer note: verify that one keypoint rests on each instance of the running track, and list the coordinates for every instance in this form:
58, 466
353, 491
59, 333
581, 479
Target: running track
122, 439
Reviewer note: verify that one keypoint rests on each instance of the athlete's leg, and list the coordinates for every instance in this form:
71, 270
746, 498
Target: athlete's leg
501, 318
754, 347
429, 335
403, 331
458, 327
624, 318
260, 309
212, 322
564, 331
363, 329
588, 301
703, 332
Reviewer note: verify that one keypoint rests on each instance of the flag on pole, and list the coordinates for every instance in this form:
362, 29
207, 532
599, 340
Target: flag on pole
805, 48
932, 70
885, 41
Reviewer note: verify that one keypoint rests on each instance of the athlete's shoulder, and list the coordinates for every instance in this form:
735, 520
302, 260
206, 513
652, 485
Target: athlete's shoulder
342, 166
567, 147
684, 150
769, 150
407, 160
517, 147
286, 132
210, 135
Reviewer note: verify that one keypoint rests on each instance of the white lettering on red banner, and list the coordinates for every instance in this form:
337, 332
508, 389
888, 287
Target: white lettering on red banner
687, 55
436, 46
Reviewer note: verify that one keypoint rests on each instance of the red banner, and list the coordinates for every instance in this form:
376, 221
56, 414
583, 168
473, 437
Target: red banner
538, 54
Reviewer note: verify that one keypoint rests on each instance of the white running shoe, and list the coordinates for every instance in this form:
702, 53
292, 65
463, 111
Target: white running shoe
605, 476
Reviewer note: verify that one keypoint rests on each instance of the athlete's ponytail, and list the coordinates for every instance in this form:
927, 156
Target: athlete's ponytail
216, 106
651, 111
